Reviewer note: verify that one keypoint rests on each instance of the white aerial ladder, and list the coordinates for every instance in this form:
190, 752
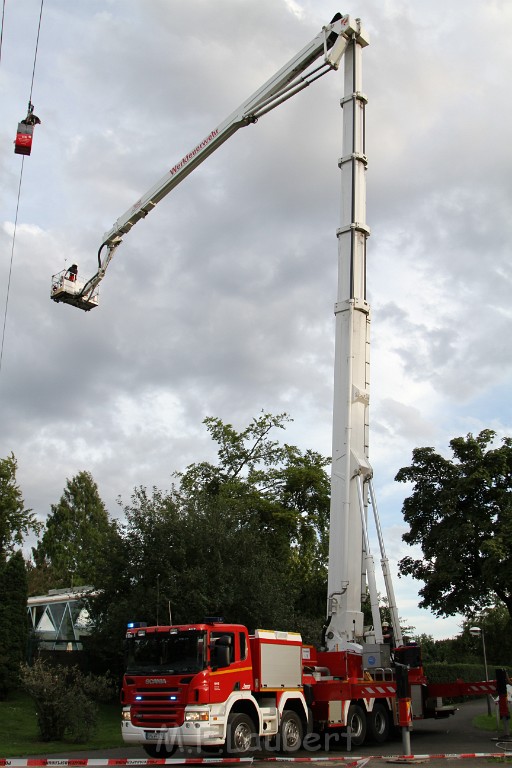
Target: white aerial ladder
351, 564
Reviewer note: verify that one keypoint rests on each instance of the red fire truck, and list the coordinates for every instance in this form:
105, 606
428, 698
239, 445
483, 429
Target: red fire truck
213, 686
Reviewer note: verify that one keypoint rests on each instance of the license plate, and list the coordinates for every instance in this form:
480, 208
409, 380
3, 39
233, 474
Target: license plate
153, 735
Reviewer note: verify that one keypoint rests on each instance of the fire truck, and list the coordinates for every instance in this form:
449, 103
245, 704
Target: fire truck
212, 685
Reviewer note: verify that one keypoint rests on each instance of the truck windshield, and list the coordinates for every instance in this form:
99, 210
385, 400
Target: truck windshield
166, 653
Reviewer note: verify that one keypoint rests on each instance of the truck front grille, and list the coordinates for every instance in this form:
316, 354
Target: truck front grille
156, 715
160, 707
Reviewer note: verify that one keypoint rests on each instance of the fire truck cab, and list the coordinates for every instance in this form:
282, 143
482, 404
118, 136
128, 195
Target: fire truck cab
212, 685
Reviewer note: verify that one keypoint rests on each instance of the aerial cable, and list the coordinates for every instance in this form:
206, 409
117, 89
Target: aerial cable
35, 54
23, 143
2, 29
10, 265
22, 146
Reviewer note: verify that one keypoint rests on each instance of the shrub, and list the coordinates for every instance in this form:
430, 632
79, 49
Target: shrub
65, 700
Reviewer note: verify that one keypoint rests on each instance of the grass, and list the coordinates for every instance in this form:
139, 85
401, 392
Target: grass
489, 723
19, 735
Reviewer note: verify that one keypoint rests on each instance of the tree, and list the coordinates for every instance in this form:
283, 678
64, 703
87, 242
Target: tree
16, 522
78, 535
245, 538
460, 514
280, 492
496, 625
13, 620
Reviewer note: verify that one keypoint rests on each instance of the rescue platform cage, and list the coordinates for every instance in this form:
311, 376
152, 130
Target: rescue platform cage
69, 289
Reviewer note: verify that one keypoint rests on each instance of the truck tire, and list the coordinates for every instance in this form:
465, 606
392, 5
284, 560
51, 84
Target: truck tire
159, 750
291, 731
356, 720
377, 722
240, 737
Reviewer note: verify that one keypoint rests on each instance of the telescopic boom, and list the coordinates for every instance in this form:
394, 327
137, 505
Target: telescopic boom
330, 44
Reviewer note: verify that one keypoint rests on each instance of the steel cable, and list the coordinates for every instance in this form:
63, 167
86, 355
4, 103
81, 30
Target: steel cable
21, 177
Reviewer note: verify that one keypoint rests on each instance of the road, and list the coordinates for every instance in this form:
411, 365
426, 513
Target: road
453, 736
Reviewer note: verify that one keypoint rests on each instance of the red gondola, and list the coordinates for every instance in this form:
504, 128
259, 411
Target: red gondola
23, 142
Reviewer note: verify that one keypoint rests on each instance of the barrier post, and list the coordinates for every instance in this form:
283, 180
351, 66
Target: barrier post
501, 689
404, 705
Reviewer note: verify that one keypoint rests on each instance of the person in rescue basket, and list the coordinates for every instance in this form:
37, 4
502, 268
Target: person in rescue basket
387, 634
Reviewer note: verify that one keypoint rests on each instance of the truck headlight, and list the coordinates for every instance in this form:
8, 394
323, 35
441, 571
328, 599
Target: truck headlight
126, 715
197, 715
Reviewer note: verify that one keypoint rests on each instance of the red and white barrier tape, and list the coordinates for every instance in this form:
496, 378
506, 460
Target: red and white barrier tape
395, 758
56, 762
77, 762
447, 756
348, 762
318, 759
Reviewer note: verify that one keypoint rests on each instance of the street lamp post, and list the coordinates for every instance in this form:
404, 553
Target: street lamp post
476, 632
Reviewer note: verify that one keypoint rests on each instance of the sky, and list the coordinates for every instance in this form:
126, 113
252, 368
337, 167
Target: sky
220, 303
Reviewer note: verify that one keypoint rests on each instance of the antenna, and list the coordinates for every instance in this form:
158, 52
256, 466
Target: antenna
157, 597
170, 617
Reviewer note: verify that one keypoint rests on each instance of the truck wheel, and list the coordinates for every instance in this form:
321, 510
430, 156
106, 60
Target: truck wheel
159, 750
291, 732
240, 738
378, 724
356, 720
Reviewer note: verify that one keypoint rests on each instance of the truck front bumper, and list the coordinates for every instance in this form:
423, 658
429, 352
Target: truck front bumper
196, 734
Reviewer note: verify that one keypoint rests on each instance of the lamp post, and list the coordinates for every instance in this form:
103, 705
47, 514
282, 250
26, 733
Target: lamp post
476, 632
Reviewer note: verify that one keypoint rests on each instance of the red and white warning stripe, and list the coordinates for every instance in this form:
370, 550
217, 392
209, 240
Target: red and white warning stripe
78, 762
459, 756
348, 762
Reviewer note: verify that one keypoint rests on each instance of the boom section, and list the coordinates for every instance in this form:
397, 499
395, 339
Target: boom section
330, 43
350, 562
286, 83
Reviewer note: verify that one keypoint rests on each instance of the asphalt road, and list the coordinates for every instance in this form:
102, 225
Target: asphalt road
453, 736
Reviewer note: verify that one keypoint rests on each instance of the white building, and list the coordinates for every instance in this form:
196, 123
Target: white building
60, 619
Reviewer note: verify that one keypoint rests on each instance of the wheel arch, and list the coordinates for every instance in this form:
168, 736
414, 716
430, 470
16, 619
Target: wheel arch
247, 707
295, 704
385, 702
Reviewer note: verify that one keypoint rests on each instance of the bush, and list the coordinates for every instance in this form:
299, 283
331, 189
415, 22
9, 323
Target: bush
438, 672
65, 700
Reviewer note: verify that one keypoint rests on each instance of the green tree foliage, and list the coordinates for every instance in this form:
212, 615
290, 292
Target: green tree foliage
277, 499
496, 632
465, 648
77, 536
16, 522
460, 514
13, 619
245, 537
279, 493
